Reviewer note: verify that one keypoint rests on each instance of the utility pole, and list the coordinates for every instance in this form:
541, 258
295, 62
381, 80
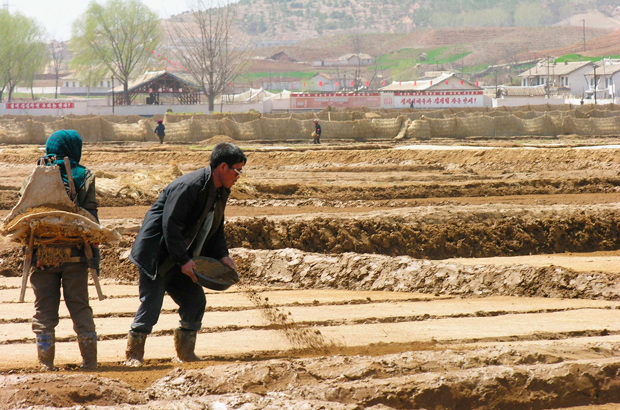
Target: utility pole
584, 34
547, 82
595, 85
113, 95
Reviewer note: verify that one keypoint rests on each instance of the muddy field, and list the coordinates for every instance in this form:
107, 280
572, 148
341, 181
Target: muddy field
484, 275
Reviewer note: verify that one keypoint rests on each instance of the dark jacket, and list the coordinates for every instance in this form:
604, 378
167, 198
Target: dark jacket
173, 222
317, 128
160, 130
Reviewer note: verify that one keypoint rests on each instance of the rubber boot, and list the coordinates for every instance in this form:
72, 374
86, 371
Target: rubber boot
46, 350
135, 349
185, 343
88, 347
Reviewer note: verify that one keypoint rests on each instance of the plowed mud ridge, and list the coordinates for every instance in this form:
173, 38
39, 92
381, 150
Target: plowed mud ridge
459, 274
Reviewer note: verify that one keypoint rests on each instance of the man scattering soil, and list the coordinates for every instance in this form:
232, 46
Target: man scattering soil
186, 221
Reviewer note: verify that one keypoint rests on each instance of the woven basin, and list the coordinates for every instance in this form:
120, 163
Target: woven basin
213, 274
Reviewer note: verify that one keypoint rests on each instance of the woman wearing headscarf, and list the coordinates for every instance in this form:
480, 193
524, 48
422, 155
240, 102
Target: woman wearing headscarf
71, 276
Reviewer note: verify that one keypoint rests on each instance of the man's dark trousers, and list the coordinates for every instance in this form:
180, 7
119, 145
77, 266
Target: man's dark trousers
188, 295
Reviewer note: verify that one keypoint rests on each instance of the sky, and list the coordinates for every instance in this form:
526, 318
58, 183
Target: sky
57, 16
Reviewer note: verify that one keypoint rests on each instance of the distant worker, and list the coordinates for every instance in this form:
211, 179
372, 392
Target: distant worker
71, 276
160, 130
186, 221
317, 132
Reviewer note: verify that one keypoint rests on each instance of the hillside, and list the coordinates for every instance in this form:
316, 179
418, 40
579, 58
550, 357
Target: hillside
606, 45
397, 32
487, 45
296, 20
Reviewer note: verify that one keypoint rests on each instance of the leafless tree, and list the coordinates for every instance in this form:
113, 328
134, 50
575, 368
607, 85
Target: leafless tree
357, 47
206, 46
373, 76
57, 54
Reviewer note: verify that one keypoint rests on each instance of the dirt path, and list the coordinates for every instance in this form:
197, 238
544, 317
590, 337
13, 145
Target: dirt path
377, 325
436, 279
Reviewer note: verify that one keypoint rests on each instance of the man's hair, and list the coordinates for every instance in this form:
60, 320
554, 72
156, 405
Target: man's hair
228, 153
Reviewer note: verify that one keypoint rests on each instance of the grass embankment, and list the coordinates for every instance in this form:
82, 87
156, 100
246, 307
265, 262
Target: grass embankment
402, 63
579, 57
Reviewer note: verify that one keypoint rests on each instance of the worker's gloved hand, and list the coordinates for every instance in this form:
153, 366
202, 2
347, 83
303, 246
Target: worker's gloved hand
96, 260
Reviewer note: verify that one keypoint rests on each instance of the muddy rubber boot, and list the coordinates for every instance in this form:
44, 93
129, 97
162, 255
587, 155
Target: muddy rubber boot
185, 343
88, 347
46, 350
135, 349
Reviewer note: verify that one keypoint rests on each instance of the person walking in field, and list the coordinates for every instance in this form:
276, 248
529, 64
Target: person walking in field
160, 130
71, 276
186, 221
317, 132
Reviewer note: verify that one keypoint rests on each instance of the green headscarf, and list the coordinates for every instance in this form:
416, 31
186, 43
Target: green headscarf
67, 143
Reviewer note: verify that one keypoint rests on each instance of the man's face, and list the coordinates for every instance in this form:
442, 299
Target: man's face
230, 175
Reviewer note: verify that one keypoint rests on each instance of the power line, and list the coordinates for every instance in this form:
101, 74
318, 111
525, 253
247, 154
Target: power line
5, 5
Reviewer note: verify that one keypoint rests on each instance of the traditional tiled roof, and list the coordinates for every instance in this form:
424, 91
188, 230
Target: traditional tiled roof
554, 69
153, 75
421, 85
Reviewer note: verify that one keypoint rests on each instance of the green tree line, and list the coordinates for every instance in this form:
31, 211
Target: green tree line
22, 51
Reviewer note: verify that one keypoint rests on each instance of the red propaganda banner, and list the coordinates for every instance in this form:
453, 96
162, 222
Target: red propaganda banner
433, 99
311, 101
39, 105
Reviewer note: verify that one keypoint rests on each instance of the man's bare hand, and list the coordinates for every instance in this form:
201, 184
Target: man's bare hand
188, 269
227, 260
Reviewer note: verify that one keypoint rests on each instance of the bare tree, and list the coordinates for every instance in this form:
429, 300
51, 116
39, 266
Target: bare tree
373, 75
207, 49
357, 46
57, 55
116, 37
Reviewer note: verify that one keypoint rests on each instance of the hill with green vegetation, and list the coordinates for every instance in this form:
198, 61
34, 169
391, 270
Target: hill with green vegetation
302, 19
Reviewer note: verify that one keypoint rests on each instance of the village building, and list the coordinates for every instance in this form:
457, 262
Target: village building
68, 85
346, 60
605, 79
72, 85
281, 56
322, 82
159, 87
444, 91
431, 75
567, 78
516, 92
281, 83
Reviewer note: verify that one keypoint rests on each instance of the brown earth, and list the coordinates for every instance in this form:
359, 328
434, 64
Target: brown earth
595, 47
487, 44
372, 277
